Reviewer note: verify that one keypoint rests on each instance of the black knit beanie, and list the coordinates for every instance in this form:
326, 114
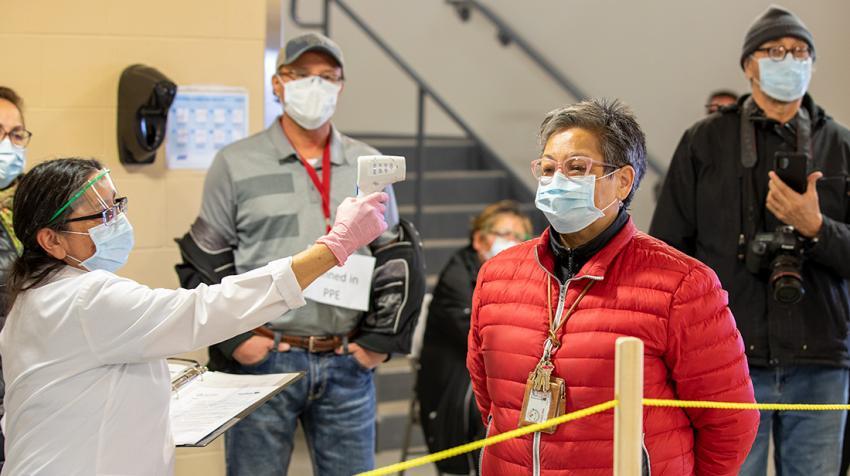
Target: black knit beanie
776, 22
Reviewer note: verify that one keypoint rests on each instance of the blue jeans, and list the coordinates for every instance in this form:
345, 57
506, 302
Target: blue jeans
335, 402
805, 443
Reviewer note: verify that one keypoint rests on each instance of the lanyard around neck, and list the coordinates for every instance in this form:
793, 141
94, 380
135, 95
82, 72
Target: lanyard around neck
554, 328
323, 185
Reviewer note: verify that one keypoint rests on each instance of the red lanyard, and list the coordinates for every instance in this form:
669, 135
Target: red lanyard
323, 186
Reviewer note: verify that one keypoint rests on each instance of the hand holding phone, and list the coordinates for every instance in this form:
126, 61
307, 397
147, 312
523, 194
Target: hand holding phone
791, 168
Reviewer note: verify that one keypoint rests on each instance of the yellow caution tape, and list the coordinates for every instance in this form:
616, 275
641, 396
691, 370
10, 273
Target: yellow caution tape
649, 402
804, 407
459, 450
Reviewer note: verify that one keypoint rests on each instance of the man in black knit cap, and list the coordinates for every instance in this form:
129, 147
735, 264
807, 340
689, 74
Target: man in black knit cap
759, 192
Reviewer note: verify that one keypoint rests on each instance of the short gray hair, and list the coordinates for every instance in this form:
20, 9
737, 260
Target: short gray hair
614, 125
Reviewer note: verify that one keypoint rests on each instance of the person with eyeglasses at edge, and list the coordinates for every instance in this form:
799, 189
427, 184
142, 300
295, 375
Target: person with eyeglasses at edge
546, 315
720, 98
447, 409
724, 203
270, 195
84, 349
14, 138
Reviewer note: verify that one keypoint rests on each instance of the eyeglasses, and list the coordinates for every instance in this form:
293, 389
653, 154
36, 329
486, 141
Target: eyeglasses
108, 215
296, 74
778, 52
19, 136
576, 166
508, 234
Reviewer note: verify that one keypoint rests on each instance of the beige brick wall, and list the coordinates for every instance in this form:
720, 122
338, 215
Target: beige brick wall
65, 58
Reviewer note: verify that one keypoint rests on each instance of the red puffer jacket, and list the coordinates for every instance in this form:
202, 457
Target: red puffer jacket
645, 289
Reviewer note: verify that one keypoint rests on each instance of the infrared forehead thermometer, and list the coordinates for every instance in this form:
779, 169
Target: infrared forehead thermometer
375, 172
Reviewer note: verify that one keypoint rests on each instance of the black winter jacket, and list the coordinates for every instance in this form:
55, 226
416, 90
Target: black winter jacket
700, 212
447, 407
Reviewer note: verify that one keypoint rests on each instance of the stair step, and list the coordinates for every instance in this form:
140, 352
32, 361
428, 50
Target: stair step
447, 153
455, 187
392, 421
439, 251
395, 383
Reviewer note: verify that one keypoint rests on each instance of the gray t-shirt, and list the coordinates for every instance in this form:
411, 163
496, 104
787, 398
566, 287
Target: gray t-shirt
260, 200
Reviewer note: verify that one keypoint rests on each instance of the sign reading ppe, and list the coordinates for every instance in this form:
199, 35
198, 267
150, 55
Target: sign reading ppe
347, 286
201, 121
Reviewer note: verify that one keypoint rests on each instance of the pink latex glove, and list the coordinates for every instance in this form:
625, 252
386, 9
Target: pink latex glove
359, 221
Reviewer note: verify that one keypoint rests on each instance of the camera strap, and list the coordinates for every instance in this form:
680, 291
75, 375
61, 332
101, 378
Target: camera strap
751, 209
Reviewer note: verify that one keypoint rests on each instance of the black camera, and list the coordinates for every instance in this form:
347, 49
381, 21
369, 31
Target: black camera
781, 254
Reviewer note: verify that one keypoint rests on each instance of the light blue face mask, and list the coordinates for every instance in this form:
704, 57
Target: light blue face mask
568, 202
785, 80
113, 243
12, 162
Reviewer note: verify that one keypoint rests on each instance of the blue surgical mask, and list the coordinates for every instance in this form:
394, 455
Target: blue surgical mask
112, 242
568, 202
12, 161
785, 80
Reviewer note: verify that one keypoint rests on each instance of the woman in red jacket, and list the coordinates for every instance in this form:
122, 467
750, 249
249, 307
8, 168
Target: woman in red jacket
546, 314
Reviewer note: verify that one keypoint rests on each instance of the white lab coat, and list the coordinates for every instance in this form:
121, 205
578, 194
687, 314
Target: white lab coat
87, 389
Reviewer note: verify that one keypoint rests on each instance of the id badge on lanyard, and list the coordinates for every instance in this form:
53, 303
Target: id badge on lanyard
545, 395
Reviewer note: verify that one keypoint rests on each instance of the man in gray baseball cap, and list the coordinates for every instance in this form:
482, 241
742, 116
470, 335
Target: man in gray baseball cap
774, 167
263, 196
309, 42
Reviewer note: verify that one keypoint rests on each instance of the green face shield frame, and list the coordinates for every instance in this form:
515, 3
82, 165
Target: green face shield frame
79, 194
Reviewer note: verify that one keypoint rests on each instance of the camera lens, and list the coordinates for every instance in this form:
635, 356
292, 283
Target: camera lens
785, 279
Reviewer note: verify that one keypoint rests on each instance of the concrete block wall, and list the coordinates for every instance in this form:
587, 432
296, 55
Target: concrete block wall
65, 57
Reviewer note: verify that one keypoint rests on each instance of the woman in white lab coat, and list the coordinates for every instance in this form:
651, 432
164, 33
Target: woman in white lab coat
87, 389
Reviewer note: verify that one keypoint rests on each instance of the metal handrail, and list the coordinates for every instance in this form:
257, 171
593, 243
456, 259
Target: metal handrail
324, 24
424, 90
508, 35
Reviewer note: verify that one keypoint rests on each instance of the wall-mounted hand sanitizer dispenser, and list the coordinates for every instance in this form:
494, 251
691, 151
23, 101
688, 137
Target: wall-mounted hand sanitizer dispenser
144, 97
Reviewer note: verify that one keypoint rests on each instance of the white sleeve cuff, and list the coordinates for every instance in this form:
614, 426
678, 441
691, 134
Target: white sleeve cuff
286, 283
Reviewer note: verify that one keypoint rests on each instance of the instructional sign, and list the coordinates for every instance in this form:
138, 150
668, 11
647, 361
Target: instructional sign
201, 121
345, 286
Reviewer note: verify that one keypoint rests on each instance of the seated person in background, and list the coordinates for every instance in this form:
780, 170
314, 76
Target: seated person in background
448, 414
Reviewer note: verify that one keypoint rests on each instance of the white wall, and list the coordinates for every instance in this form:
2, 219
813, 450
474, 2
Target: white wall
662, 57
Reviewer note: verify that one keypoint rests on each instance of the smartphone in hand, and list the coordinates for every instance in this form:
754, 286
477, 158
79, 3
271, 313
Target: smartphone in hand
791, 168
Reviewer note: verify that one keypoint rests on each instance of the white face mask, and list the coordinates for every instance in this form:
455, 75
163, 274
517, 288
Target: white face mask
499, 244
310, 101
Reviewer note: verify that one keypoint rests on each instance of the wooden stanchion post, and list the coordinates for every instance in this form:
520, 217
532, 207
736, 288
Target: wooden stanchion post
628, 415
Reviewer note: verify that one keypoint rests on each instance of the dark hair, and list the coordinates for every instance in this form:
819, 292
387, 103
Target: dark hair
722, 93
614, 125
485, 220
10, 95
41, 192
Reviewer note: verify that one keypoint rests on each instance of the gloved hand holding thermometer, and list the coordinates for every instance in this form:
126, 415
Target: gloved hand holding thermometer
359, 221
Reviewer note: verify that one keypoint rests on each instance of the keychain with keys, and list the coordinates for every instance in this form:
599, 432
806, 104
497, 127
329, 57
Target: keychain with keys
545, 395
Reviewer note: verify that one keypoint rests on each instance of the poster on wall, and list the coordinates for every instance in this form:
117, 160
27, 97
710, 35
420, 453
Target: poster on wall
201, 121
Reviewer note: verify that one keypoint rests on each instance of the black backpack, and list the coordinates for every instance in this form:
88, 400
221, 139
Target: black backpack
398, 288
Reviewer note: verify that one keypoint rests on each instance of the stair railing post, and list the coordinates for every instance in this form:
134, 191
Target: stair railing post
326, 18
628, 414
419, 192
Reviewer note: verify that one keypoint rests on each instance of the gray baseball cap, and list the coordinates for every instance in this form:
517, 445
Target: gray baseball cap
308, 42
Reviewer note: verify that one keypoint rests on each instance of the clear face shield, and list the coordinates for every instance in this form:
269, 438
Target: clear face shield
97, 199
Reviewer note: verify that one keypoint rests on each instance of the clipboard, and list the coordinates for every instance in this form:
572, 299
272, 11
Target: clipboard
205, 404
